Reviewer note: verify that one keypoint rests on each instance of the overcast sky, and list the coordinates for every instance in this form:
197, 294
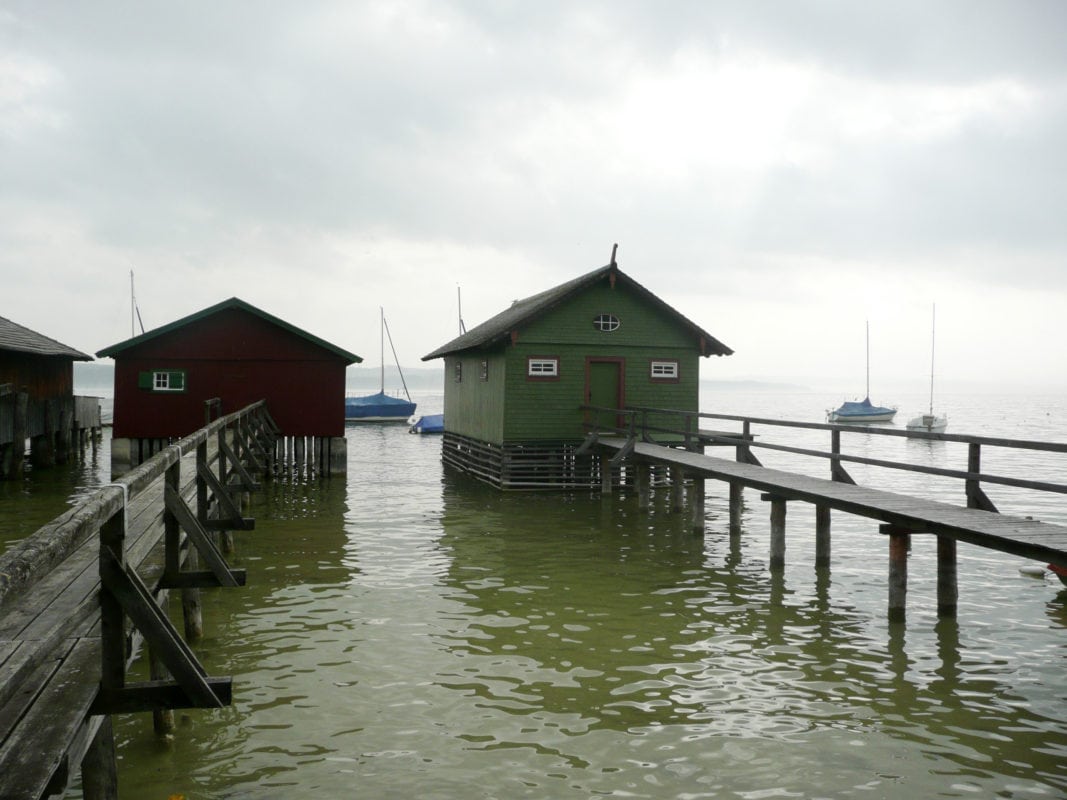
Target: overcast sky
779, 172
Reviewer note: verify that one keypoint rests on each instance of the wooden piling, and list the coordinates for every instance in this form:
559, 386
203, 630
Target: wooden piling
899, 541
777, 530
697, 504
947, 587
737, 501
822, 536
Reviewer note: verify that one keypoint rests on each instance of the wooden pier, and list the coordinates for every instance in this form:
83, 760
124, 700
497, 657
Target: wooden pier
79, 596
978, 522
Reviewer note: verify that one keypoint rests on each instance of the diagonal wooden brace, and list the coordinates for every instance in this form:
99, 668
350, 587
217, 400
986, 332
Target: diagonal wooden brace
247, 442
247, 482
590, 440
123, 583
176, 506
624, 451
229, 518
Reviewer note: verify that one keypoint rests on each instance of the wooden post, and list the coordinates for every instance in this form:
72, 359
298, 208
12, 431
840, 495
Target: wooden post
192, 611
898, 571
644, 485
777, 531
696, 504
822, 536
18, 444
100, 774
162, 718
737, 503
947, 587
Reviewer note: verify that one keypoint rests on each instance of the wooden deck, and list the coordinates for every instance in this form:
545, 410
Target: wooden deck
77, 598
1019, 536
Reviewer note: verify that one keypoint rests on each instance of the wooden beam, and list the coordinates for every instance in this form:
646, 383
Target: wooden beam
175, 505
123, 583
229, 516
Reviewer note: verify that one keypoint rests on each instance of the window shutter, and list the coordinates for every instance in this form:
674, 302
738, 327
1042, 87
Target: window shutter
144, 380
177, 381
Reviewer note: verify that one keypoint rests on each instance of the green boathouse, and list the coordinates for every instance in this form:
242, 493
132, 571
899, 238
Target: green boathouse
515, 386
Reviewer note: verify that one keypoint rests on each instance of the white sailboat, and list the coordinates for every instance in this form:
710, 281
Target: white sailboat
930, 422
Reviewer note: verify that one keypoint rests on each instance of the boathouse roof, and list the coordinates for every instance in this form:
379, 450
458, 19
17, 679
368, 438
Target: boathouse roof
22, 340
523, 312
232, 303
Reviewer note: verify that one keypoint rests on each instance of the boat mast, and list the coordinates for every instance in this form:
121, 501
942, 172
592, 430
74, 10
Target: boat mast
868, 395
933, 326
381, 341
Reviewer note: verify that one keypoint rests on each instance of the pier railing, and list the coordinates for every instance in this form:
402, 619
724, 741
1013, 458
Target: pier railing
79, 596
683, 429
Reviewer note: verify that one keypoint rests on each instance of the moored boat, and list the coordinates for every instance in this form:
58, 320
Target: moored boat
378, 407
381, 407
428, 423
861, 411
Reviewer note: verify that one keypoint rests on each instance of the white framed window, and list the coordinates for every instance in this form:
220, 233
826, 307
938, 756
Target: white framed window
663, 370
162, 380
542, 367
606, 322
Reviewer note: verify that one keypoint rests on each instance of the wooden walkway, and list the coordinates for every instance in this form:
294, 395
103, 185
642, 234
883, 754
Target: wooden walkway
900, 516
79, 596
1019, 536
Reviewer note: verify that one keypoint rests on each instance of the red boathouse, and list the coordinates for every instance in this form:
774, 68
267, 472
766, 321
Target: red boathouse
238, 354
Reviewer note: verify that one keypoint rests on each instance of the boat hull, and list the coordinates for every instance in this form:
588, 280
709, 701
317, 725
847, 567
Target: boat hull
429, 423
930, 423
862, 411
378, 408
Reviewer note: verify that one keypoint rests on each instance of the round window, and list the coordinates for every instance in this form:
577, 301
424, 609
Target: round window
606, 322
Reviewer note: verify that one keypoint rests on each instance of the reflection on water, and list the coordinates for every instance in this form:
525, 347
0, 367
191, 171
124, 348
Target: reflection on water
407, 634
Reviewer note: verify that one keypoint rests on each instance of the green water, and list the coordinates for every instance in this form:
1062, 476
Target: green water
411, 634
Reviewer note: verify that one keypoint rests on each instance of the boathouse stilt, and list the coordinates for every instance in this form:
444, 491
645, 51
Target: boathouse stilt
899, 542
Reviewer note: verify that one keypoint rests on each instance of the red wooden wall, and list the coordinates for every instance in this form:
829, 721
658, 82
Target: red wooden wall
238, 357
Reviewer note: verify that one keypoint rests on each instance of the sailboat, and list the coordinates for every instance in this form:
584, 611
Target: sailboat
931, 422
381, 407
863, 410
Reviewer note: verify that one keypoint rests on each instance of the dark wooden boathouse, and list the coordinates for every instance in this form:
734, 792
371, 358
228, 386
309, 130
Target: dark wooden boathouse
36, 398
224, 358
515, 385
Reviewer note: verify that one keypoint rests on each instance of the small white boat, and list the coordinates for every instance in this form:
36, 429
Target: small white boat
930, 422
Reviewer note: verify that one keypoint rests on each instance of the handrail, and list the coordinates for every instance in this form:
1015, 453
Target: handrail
28, 560
973, 477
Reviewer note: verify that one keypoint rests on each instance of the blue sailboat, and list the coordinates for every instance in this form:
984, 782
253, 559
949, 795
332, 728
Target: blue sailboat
862, 410
381, 407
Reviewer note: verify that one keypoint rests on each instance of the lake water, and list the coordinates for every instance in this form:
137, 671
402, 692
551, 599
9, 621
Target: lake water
408, 633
